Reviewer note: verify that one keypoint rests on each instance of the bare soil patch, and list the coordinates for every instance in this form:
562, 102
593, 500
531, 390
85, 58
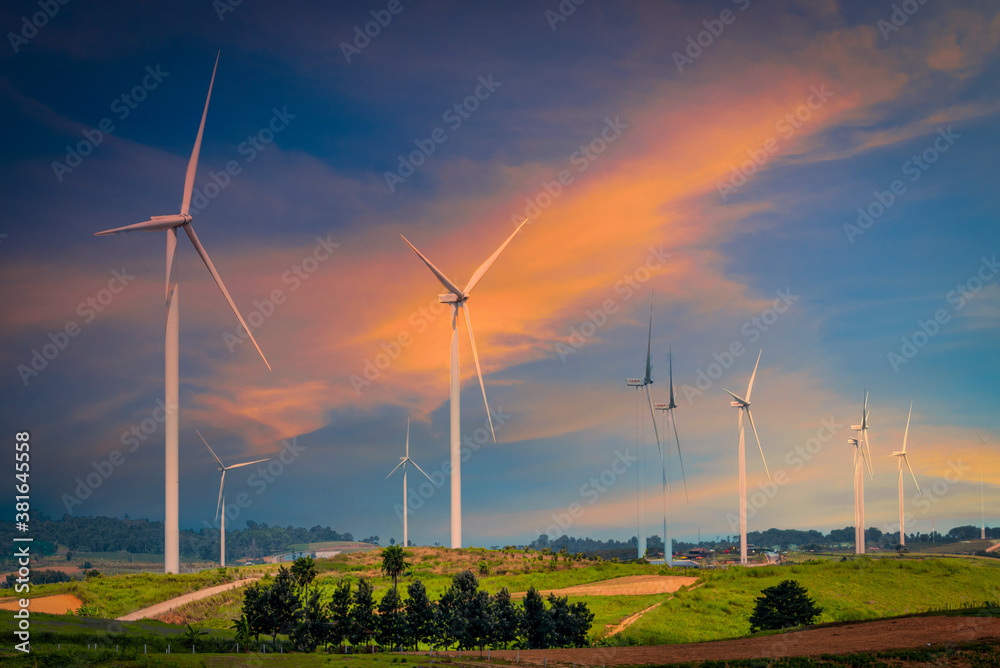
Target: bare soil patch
58, 604
914, 632
632, 585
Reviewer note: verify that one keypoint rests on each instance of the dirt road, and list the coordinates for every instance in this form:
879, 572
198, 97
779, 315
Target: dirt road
165, 606
913, 632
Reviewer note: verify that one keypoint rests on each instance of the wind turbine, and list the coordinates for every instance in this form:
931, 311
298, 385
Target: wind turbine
744, 407
901, 459
403, 461
645, 382
862, 456
221, 505
170, 224
458, 298
668, 411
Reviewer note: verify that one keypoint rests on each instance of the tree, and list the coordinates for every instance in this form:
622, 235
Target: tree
339, 611
784, 605
191, 635
570, 623
394, 562
536, 625
391, 622
419, 614
303, 573
362, 614
282, 604
311, 625
505, 618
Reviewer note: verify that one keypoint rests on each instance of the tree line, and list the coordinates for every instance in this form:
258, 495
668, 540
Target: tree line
464, 616
140, 536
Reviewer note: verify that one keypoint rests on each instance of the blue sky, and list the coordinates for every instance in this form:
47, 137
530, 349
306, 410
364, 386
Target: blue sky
717, 177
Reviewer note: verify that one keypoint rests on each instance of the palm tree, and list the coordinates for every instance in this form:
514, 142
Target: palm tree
394, 562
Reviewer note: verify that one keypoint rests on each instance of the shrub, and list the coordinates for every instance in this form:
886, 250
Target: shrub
784, 605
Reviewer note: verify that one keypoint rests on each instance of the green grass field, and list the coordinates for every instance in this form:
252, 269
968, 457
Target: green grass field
847, 591
719, 607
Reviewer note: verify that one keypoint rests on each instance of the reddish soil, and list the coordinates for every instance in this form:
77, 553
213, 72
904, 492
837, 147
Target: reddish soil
914, 632
59, 604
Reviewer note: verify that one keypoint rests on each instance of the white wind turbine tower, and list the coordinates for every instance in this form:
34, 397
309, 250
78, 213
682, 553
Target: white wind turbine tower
982, 506
458, 298
644, 382
221, 505
862, 456
403, 461
901, 459
744, 407
170, 224
668, 410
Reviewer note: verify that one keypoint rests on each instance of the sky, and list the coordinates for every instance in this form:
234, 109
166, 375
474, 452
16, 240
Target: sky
811, 181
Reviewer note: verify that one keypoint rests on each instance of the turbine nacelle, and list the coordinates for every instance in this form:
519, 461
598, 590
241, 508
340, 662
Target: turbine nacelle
451, 298
660, 406
857, 427
635, 382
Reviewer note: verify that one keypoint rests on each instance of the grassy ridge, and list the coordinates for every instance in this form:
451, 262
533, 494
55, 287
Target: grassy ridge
847, 591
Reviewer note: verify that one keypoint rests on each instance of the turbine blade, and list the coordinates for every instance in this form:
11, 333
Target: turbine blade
753, 375
397, 466
907, 432
485, 266
750, 417
910, 468
656, 429
864, 412
218, 281
868, 458
649, 343
479, 371
210, 448
193, 162
737, 398
222, 483
673, 421
670, 359
258, 461
420, 469
408, 438
445, 281
154, 224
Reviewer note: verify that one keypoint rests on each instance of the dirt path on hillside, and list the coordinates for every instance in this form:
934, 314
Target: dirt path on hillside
632, 585
166, 606
630, 620
914, 632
